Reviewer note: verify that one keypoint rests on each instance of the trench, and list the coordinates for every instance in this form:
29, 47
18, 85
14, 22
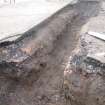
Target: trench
45, 86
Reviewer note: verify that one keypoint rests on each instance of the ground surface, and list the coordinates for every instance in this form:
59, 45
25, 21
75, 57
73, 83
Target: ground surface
18, 17
47, 88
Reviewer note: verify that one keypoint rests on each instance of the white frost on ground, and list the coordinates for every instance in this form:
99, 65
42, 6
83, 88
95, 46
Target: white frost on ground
24, 14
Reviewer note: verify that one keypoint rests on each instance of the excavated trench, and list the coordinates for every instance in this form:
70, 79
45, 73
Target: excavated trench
31, 68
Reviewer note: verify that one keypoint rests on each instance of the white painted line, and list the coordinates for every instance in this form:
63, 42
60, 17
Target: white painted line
97, 35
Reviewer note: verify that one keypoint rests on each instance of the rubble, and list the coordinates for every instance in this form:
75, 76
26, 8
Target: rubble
85, 70
92, 54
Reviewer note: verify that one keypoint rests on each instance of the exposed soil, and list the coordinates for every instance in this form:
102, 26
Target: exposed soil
44, 86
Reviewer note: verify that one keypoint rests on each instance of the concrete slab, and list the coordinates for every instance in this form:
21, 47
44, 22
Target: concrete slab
21, 16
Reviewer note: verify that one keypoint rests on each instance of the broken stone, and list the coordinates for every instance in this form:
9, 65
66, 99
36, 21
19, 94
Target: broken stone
91, 55
88, 70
